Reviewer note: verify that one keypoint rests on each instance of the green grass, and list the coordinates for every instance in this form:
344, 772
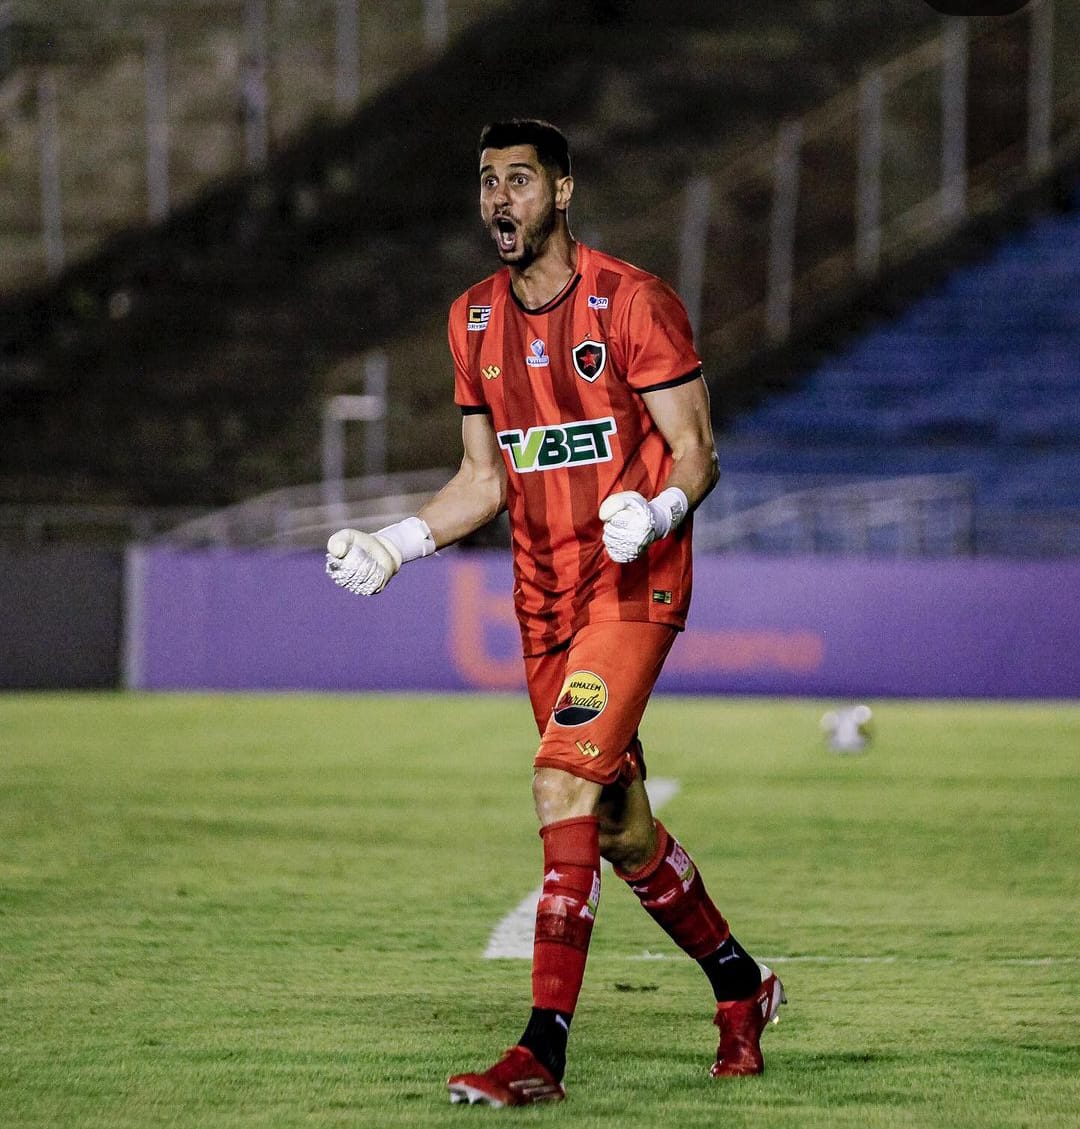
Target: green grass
270, 911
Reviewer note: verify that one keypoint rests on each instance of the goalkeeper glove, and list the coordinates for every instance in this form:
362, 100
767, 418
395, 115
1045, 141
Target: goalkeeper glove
631, 524
365, 563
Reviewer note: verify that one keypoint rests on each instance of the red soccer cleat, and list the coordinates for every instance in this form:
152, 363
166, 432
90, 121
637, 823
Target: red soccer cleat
741, 1023
518, 1078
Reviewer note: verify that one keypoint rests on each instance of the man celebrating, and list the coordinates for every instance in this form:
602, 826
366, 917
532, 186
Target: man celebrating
585, 415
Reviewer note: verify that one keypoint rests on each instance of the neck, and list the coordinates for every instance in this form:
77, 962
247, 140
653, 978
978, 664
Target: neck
539, 282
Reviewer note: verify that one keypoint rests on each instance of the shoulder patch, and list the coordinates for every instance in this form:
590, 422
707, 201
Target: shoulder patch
478, 318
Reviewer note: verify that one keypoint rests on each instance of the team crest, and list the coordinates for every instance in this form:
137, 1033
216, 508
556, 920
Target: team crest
583, 697
590, 357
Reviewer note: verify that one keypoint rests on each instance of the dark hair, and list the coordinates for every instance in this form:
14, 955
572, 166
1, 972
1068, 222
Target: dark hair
551, 146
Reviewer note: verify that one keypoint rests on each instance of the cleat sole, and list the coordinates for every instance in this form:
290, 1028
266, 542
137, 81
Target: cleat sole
460, 1093
518, 1078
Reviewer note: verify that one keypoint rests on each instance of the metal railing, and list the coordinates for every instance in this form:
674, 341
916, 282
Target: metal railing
116, 113
38, 524
917, 516
836, 197
777, 232
798, 248
299, 516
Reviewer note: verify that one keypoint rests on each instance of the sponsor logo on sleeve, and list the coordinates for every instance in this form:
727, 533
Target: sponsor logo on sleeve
596, 302
590, 358
478, 319
582, 698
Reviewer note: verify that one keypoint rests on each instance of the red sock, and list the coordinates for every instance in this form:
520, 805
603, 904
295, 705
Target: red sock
566, 911
671, 891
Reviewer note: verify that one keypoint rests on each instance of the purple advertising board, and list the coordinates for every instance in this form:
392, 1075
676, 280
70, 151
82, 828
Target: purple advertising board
271, 620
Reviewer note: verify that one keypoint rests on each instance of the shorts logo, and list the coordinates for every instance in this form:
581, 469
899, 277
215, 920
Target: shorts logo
590, 357
597, 303
491, 372
568, 444
479, 316
582, 698
539, 358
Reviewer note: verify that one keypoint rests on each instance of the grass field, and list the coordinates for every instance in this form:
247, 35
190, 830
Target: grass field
270, 911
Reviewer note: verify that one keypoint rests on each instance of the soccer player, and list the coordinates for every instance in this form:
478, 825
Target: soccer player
585, 415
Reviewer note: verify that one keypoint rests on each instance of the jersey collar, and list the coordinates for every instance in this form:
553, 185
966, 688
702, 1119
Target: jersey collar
559, 298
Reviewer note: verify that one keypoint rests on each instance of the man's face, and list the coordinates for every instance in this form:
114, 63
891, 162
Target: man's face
519, 202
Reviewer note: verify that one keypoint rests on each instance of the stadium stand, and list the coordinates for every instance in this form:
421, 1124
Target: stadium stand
186, 364
980, 378
234, 78
188, 351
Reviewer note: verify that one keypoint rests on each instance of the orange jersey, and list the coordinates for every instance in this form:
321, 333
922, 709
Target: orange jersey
563, 385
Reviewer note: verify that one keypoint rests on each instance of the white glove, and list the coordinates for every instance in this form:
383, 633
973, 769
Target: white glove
632, 524
365, 563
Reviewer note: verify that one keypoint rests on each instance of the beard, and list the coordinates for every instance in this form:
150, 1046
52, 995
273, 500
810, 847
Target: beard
532, 239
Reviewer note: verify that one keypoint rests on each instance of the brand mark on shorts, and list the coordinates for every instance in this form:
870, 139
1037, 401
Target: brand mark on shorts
569, 444
587, 749
583, 697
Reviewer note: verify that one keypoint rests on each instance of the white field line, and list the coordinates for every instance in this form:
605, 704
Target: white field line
512, 938
840, 959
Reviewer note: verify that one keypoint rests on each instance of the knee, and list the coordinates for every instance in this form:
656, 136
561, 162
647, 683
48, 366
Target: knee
558, 795
629, 848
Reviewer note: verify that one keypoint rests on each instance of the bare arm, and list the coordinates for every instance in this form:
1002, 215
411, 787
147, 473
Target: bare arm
682, 415
477, 493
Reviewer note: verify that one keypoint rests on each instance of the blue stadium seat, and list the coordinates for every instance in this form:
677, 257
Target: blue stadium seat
979, 377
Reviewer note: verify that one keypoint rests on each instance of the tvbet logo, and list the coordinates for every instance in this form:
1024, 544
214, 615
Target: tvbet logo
977, 7
544, 448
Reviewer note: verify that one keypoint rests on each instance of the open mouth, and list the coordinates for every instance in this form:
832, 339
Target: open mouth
505, 233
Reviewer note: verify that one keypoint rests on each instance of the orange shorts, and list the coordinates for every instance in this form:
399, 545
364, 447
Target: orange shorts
588, 697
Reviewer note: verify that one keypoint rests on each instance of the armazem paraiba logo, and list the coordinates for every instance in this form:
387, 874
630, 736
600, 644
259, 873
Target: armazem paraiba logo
566, 444
977, 7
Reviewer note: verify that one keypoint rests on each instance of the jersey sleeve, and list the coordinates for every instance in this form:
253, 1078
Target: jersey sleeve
467, 394
659, 347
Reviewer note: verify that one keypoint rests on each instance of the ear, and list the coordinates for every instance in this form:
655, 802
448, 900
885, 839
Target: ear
564, 189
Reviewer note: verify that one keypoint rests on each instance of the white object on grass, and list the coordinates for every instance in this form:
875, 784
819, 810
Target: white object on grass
848, 729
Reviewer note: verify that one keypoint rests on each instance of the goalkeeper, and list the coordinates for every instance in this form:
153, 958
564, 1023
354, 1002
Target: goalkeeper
586, 417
